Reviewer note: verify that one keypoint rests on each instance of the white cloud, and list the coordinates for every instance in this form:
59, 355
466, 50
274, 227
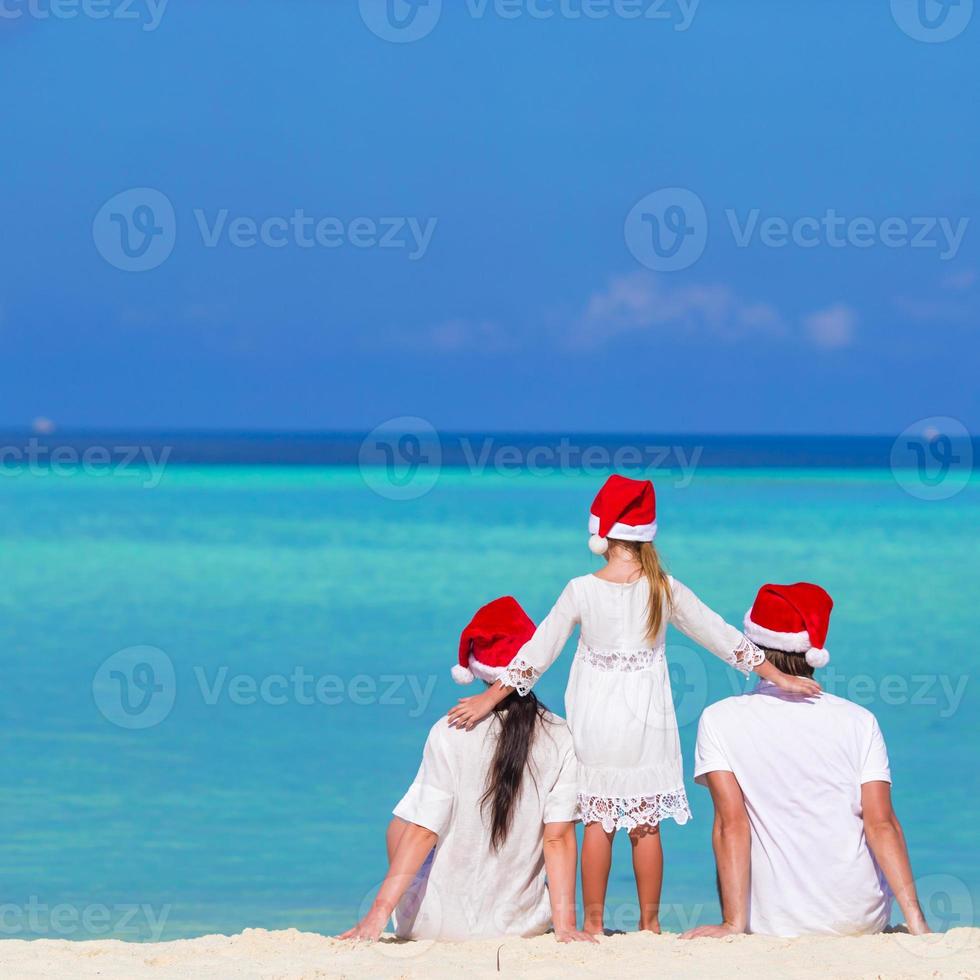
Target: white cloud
961, 280
643, 301
456, 335
956, 301
831, 328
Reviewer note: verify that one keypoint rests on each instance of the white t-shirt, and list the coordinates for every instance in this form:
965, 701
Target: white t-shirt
800, 764
466, 890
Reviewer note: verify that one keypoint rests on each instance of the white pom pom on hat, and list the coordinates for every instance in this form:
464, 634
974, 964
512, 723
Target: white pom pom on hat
597, 545
461, 674
817, 657
623, 509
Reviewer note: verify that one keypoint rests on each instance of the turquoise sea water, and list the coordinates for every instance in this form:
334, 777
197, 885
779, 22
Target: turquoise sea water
262, 801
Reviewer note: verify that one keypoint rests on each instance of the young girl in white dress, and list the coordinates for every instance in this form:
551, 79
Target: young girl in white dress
618, 701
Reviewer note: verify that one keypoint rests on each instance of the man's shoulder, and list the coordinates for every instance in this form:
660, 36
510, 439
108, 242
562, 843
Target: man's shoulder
754, 701
850, 709
724, 708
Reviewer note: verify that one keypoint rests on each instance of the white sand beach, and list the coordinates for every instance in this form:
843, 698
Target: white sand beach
257, 954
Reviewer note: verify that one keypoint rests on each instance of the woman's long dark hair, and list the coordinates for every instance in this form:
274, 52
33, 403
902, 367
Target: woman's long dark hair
518, 718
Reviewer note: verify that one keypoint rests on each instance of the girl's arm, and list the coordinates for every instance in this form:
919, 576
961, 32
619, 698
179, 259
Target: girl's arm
410, 853
533, 659
695, 620
560, 859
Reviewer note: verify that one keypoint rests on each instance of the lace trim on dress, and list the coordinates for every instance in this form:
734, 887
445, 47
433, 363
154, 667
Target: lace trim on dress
629, 812
520, 675
622, 660
746, 656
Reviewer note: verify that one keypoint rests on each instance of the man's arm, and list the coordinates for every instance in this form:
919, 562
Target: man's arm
732, 844
887, 842
412, 848
560, 859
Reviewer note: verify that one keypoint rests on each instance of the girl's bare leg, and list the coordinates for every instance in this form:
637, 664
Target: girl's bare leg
648, 867
596, 861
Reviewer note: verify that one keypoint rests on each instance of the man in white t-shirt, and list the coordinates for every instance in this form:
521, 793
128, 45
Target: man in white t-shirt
805, 838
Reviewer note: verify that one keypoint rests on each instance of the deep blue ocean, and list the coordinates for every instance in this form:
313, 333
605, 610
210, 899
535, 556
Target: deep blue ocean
219, 669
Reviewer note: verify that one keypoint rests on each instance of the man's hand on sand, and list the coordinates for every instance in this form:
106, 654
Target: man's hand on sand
712, 932
574, 936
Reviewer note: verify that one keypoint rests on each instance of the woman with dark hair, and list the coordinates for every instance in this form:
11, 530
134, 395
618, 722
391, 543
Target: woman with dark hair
483, 843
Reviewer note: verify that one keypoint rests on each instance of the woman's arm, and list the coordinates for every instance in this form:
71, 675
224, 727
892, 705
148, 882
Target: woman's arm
732, 845
703, 625
560, 859
412, 849
532, 660
887, 842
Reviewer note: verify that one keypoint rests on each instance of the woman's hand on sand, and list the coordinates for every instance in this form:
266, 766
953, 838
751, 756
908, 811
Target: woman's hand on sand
574, 936
712, 932
369, 928
469, 711
805, 686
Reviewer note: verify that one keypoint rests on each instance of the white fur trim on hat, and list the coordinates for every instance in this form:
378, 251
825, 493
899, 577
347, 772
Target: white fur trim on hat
625, 532
462, 675
787, 642
817, 657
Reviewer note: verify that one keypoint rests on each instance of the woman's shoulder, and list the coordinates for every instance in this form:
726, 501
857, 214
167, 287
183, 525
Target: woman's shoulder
556, 728
550, 718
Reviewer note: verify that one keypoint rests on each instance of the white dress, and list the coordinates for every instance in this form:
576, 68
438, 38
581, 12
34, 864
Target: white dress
618, 701
466, 890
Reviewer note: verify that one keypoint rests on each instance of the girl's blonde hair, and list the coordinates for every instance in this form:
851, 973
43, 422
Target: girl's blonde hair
660, 594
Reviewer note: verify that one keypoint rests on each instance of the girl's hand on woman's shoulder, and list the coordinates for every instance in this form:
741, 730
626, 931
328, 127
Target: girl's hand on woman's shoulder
469, 711
805, 686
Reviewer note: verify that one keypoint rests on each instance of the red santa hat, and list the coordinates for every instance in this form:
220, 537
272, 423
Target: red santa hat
624, 509
492, 640
792, 618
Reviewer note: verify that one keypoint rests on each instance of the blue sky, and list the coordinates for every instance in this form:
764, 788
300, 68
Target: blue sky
497, 160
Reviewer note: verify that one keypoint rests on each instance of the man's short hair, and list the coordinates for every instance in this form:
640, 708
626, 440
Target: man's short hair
789, 663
